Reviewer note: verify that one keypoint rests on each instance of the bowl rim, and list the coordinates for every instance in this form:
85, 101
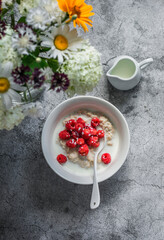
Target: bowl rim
85, 97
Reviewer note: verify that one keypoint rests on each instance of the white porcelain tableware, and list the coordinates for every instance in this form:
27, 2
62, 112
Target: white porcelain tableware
95, 197
71, 171
126, 72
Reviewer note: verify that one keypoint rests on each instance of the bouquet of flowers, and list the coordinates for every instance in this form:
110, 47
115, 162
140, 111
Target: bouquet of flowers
39, 45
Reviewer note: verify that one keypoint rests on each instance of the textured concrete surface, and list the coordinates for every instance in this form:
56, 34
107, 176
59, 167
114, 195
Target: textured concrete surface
37, 204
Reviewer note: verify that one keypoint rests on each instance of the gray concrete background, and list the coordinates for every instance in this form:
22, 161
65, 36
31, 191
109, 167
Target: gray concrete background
37, 204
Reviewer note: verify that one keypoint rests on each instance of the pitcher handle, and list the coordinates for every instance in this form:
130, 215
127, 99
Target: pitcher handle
145, 63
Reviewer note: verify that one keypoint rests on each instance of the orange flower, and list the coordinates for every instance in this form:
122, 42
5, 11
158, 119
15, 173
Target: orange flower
77, 8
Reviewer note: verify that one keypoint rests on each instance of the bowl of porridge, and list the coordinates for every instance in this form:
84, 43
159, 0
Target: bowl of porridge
74, 130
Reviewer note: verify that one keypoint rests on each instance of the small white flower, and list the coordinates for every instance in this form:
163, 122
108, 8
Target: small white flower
34, 110
11, 117
62, 42
84, 70
7, 86
26, 5
47, 73
6, 3
52, 7
7, 53
38, 18
24, 39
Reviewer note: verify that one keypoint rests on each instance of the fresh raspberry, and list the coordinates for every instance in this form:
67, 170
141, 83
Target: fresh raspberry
87, 126
106, 158
80, 141
79, 127
100, 133
96, 144
70, 125
92, 140
95, 122
61, 158
80, 120
93, 131
71, 143
86, 133
75, 134
83, 150
64, 135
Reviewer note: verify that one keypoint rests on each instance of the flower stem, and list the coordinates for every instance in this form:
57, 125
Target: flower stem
12, 19
25, 97
29, 92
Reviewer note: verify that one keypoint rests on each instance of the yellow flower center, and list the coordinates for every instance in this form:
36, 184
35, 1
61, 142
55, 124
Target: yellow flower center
61, 42
4, 85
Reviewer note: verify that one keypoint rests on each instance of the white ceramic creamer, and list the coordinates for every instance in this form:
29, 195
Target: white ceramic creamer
126, 72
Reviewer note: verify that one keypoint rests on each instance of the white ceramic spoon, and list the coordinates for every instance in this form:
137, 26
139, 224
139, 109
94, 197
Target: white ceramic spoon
95, 198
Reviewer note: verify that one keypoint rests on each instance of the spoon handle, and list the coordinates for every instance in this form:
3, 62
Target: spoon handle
95, 198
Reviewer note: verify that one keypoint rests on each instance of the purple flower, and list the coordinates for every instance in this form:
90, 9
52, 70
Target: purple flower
59, 82
21, 74
37, 78
2, 29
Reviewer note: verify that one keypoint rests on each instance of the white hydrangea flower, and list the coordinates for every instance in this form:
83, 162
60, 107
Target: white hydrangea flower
52, 7
38, 18
84, 70
10, 118
8, 54
26, 5
6, 3
24, 40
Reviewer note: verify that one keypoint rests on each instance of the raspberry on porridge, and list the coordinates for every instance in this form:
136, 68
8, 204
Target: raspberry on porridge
81, 135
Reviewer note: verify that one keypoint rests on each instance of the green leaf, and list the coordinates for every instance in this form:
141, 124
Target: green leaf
53, 64
41, 64
18, 1
22, 20
26, 60
32, 63
3, 12
36, 52
44, 49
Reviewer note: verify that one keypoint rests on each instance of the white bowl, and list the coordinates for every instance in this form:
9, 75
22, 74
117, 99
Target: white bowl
72, 171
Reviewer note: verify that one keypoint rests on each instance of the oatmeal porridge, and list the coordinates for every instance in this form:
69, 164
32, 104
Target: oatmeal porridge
80, 137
